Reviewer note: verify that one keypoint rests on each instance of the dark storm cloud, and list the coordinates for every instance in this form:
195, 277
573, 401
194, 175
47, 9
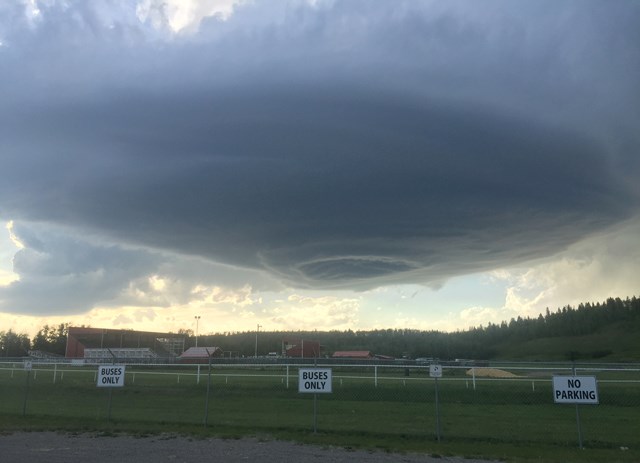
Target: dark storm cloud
351, 144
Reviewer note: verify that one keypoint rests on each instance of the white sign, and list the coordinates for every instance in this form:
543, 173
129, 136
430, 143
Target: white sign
111, 376
316, 380
575, 390
435, 371
28, 365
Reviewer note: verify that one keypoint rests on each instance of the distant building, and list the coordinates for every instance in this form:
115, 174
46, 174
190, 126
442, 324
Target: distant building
101, 344
39, 354
353, 354
200, 354
301, 348
129, 353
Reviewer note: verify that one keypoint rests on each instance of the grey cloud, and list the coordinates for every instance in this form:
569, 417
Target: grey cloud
344, 145
66, 274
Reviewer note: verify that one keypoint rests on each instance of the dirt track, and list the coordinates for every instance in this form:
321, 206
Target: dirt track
49, 447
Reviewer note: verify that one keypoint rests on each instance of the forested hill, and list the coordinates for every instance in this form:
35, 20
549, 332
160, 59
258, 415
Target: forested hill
602, 331
608, 331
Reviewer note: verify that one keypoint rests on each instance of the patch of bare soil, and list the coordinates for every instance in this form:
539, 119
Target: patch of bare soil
490, 373
50, 447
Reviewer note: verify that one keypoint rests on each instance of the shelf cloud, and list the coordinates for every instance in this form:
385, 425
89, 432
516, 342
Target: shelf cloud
338, 144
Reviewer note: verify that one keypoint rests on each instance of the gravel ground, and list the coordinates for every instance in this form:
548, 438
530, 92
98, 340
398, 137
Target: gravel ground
50, 447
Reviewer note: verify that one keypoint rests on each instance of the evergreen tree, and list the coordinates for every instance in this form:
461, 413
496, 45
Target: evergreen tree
13, 344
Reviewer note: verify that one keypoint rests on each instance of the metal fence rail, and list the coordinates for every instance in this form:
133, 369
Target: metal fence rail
505, 402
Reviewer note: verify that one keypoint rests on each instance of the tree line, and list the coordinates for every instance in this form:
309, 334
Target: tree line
481, 342
49, 339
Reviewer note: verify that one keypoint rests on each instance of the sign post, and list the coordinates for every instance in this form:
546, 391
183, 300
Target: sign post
575, 390
28, 366
435, 371
205, 421
315, 381
110, 376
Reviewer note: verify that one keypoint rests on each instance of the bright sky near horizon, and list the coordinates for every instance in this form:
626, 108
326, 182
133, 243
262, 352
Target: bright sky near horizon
324, 164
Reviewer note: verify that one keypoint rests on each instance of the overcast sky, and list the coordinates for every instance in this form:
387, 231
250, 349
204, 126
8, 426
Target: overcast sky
316, 164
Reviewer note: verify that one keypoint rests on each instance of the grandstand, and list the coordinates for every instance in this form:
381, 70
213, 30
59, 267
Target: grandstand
106, 344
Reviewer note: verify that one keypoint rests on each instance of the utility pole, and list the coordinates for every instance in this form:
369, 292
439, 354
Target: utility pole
197, 317
256, 351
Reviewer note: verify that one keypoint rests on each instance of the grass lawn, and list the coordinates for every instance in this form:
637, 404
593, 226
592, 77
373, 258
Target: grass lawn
507, 419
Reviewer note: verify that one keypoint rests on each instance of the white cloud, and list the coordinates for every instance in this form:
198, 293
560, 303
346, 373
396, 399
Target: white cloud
237, 300
12, 236
311, 312
183, 15
58, 272
9, 244
476, 316
606, 265
7, 277
603, 266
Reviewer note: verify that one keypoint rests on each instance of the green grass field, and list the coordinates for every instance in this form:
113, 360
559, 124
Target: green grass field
512, 419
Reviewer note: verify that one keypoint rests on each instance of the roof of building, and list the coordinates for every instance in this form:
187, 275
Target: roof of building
352, 354
200, 352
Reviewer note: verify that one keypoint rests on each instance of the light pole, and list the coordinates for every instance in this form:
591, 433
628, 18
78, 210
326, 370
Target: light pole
256, 352
197, 317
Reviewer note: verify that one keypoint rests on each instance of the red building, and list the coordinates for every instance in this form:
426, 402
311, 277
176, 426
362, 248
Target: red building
99, 343
353, 354
301, 348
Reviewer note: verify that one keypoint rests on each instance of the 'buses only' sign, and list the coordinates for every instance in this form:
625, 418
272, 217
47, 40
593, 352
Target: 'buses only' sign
111, 376
314, 380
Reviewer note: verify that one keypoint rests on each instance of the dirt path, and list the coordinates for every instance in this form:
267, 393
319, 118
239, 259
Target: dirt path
49, 447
